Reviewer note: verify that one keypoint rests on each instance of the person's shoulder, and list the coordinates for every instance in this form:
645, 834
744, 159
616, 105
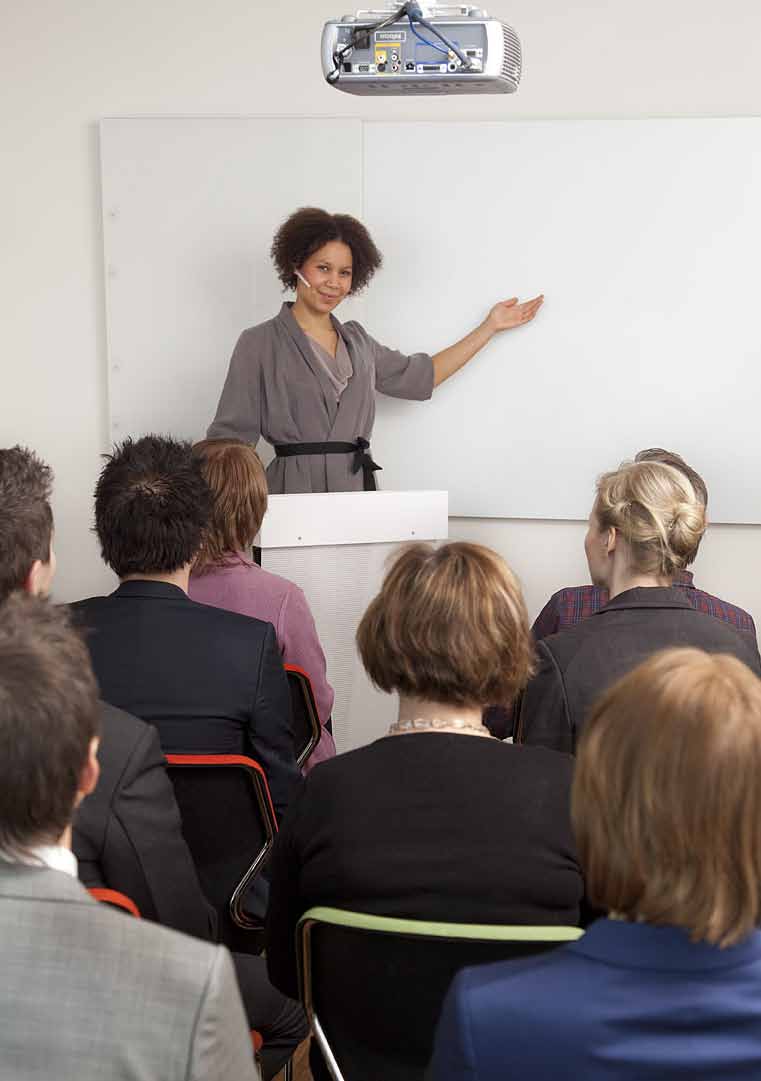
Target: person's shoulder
174, 958
255, 343
564, 644
731, 614
276, 588
233, 624
115, 721
717, 633
121, 735
87, 604
490, 986
259, 330
554, 766
352, 769
505, 768
355, 332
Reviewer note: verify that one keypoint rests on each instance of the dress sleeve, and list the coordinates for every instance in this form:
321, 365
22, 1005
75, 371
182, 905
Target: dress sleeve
396, 374
238, 414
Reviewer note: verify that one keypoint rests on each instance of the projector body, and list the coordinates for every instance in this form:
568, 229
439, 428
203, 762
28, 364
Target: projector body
395, 61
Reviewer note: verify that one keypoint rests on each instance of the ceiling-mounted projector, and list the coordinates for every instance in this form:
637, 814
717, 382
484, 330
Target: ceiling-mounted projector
421, 49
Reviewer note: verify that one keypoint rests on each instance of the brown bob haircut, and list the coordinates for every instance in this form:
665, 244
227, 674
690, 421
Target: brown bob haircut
449, 625
666, 800
234, 473
309, 229
49, 713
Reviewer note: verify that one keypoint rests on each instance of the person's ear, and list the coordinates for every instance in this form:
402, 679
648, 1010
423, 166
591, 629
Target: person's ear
35, 581
39, 579
88, 778
611, 540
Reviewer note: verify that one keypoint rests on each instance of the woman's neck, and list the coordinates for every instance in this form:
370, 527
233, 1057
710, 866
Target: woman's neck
314, 323
623, 578
420, 709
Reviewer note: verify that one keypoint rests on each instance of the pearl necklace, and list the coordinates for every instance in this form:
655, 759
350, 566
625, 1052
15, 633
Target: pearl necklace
438, 724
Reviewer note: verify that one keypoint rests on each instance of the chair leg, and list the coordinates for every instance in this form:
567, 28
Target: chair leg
325, 1048
288, 1070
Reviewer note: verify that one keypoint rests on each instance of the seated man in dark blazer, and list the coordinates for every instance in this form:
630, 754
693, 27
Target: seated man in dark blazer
87, 993
210, 680
127, 834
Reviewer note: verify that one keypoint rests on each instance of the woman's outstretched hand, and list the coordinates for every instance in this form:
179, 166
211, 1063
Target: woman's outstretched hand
510, 313
503, 316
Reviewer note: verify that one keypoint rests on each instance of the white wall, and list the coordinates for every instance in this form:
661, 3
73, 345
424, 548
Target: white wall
65, 66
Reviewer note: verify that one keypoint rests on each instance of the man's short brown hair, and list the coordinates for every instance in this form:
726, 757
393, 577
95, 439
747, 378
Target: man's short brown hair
666, 799
449, 625
26, 520
48, 716
234, 473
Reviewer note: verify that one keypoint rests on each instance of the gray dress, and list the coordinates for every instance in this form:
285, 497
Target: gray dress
276, 388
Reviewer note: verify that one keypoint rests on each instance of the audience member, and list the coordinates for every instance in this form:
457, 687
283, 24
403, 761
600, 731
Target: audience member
645, 526
437, 820
667, 816
127, 834
210, 680
571, 605
86, 992
225, 575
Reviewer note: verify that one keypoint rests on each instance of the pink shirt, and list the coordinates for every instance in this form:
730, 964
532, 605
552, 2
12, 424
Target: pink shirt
244, 587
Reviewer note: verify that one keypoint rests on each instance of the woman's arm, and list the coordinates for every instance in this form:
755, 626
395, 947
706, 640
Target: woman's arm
238, 413
504, 316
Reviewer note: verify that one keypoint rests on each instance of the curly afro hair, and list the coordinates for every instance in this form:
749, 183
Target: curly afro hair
308, 229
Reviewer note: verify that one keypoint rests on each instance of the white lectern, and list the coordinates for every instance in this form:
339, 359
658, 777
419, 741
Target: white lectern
336, 546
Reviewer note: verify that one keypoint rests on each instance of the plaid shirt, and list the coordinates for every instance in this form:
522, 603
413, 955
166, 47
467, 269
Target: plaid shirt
570, 606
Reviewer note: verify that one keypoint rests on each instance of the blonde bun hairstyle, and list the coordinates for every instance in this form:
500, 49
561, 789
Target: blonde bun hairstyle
658, 513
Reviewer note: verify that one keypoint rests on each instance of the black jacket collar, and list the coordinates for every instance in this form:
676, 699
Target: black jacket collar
143, 587
647, 597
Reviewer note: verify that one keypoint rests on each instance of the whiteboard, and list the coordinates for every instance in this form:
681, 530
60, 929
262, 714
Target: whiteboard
189, 210
644, 235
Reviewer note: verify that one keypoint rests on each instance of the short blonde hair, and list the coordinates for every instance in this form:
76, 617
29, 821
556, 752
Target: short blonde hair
449, 625
666, 801
656, 510
235, 474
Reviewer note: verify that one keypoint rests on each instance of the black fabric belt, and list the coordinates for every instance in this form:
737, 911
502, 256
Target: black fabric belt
360, 449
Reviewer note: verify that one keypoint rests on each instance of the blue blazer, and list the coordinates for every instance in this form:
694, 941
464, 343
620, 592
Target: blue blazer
627, 1002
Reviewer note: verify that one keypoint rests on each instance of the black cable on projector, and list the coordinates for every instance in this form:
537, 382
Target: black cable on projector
338, 55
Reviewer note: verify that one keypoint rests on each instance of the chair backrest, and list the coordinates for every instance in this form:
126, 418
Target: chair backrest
115, 899
373, 987
229, 825
306, 720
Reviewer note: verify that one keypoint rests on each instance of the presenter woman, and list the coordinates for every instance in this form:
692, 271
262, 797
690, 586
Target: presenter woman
307, 383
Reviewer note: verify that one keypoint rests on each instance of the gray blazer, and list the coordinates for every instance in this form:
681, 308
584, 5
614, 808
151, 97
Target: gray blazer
276, 388
89, 993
